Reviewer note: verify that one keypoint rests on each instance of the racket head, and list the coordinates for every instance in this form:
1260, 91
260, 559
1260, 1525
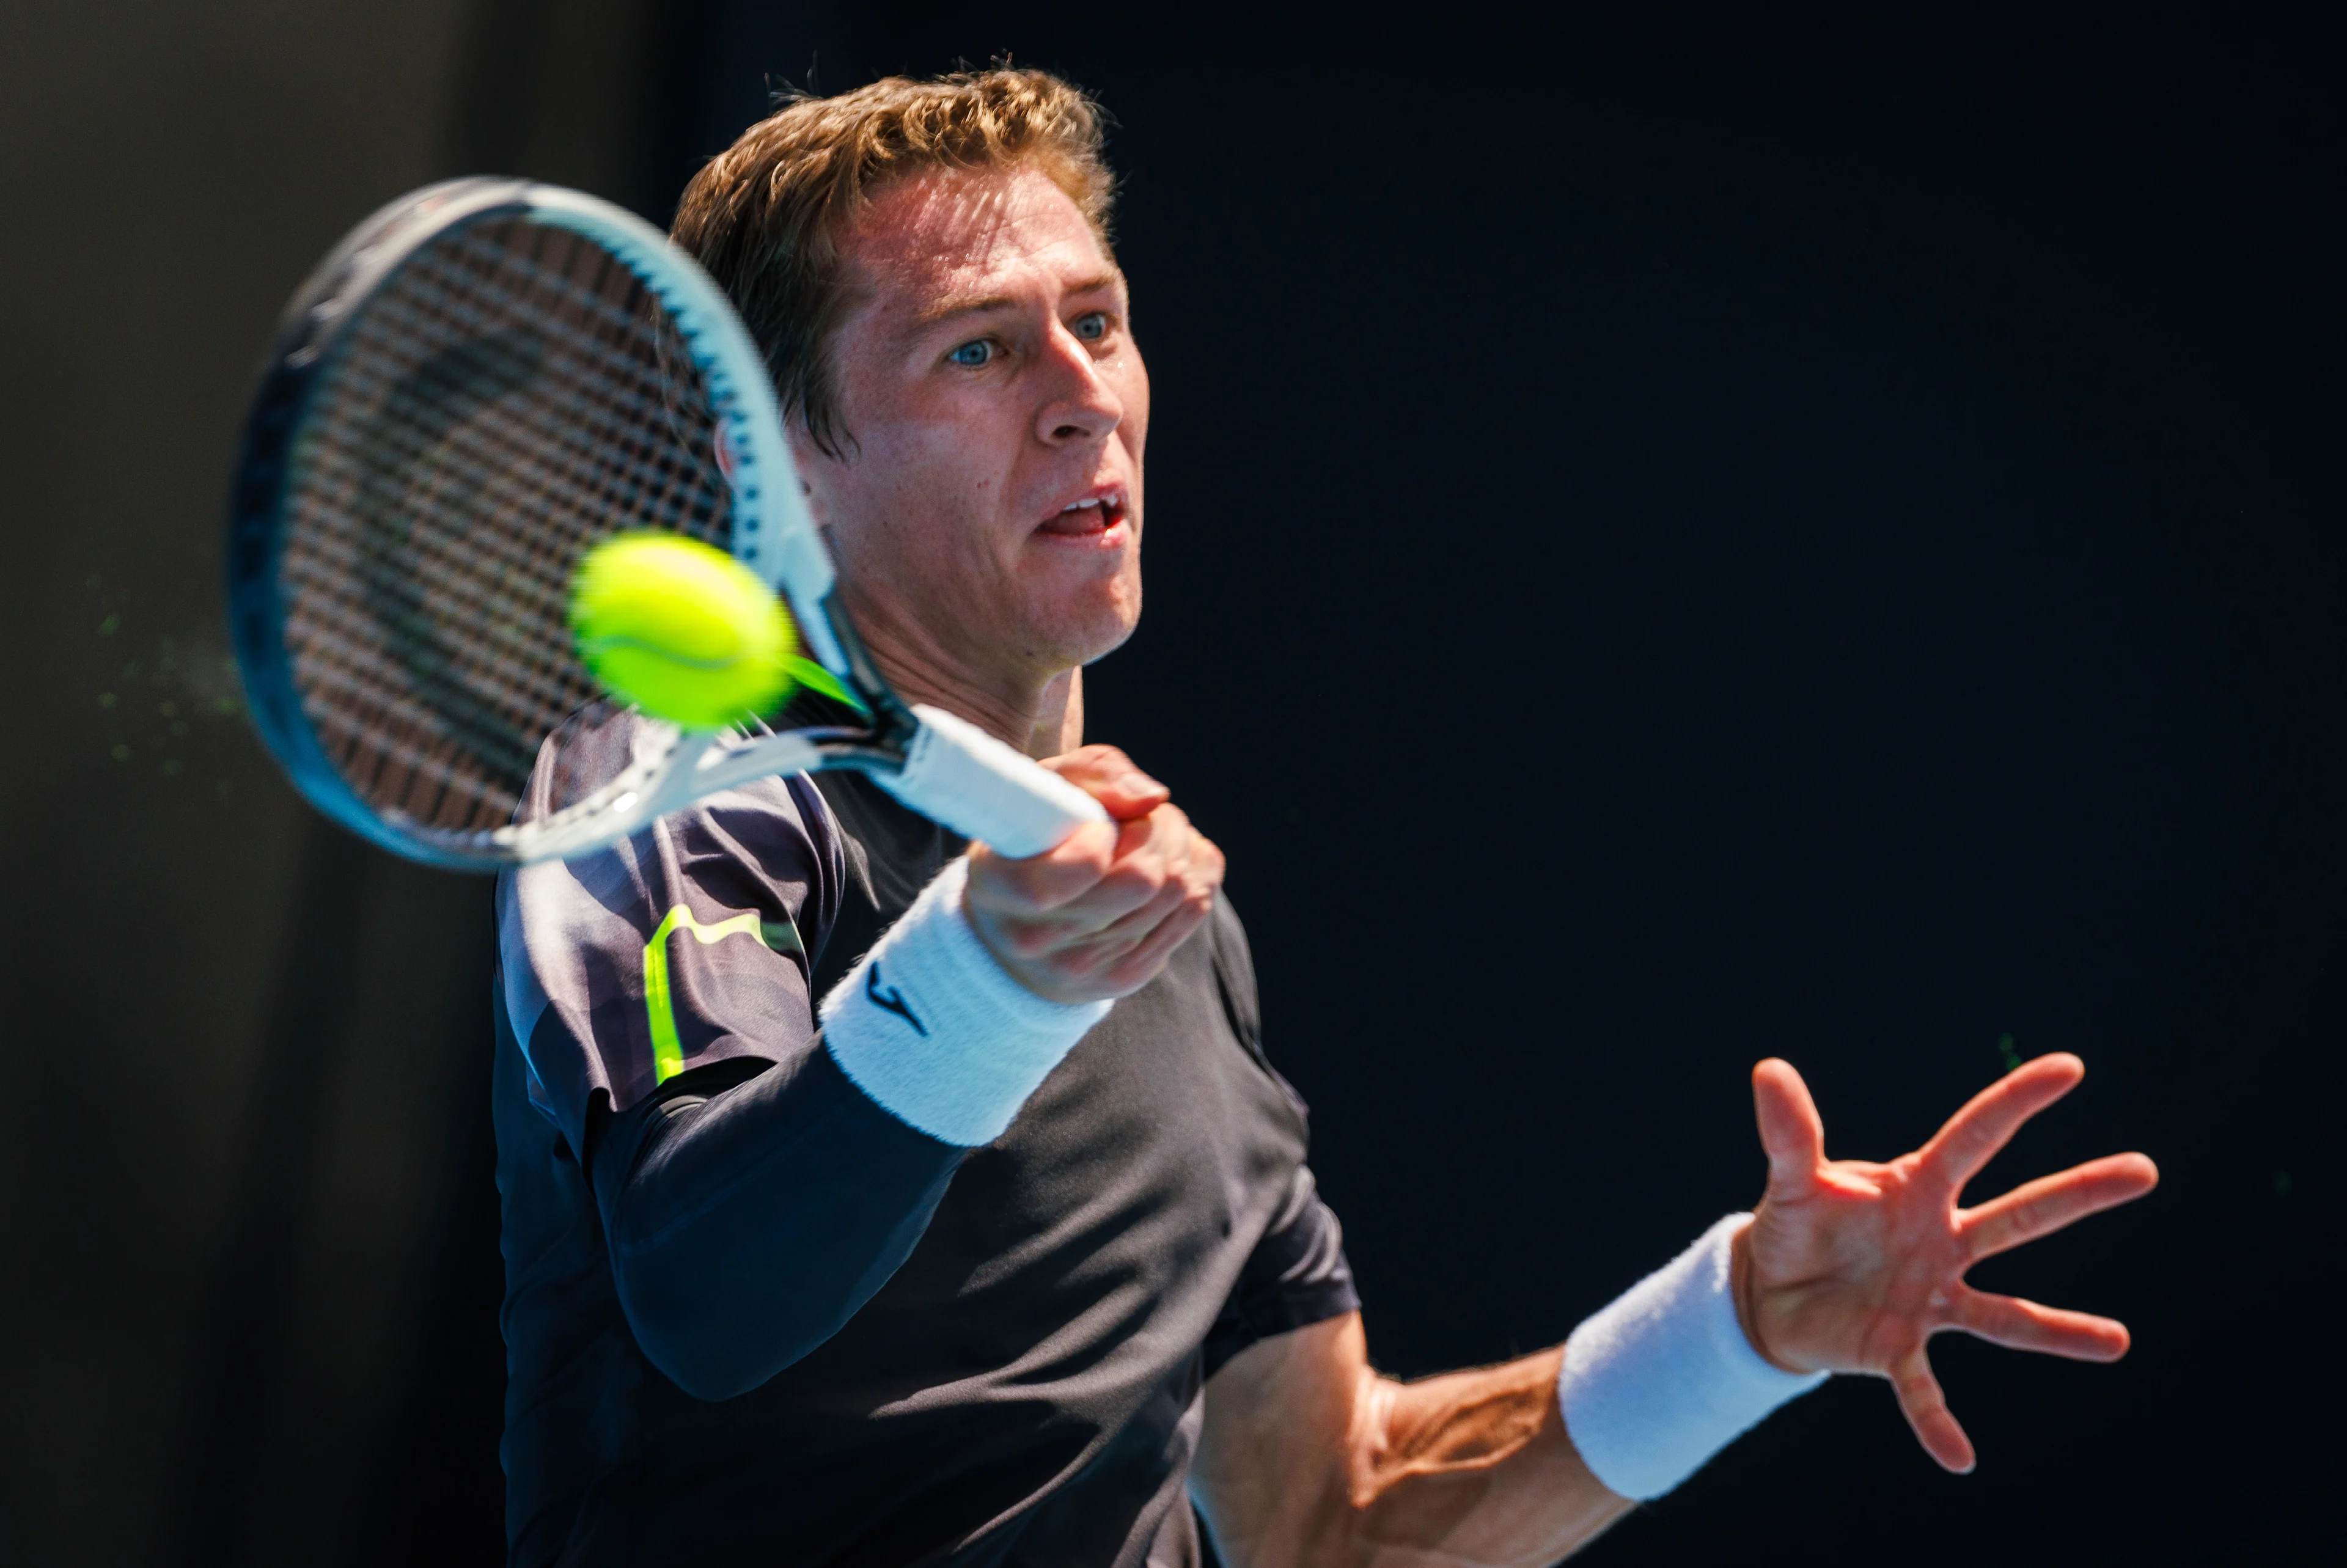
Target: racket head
485, 379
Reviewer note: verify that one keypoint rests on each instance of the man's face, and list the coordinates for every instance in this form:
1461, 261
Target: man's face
987, 511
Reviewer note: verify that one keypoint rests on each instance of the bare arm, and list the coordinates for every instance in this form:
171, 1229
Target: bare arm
1308, 1456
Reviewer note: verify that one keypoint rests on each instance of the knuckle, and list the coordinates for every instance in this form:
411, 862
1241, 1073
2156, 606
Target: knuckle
1073, 867
1137, 878
1029, 940
1015, 878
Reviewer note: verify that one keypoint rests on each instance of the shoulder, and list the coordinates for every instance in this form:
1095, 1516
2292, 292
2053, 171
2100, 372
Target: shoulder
779, 827
640, 954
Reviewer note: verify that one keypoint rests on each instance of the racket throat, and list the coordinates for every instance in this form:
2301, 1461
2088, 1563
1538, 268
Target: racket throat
894, 724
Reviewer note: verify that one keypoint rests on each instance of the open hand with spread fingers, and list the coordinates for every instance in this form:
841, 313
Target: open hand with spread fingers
1851, 1266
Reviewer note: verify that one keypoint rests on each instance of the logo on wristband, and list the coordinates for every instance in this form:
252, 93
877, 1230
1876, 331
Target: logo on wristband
892, 999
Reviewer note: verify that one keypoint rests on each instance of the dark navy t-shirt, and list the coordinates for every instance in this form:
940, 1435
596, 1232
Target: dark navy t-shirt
751, 1316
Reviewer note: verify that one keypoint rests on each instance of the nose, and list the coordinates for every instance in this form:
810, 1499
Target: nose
1082, 408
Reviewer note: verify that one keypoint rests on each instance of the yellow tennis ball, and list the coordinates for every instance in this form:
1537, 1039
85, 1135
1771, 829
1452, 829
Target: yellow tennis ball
681, 630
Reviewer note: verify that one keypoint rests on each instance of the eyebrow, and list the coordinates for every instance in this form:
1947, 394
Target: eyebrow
966, 305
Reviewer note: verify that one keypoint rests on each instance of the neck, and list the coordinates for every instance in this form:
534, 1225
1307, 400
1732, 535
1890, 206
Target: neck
1042, 714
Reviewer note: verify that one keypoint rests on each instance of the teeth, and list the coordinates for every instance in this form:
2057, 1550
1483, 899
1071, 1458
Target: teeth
1080, 506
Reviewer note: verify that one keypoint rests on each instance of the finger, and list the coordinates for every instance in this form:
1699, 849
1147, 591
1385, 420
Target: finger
1191, 879
1149, 852
1163, 865
1159, 838
1926, 1410
1990, 1119
1139, 967
1130, 929
1133, 952
1111, 778
2048, 1204
1075, 886
1088, 964
1045, 882
1793, 1135
1152, 853
2019, 1325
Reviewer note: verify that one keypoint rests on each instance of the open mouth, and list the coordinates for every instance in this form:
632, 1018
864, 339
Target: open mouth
1089, 516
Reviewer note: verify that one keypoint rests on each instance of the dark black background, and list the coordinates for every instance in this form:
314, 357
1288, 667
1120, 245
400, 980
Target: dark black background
1672, 539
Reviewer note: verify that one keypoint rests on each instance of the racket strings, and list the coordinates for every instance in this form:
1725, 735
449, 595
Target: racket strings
550, 445
612, 401
510, 395
425, 408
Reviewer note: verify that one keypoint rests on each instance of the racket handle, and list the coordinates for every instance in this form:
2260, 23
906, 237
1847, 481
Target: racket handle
958, 774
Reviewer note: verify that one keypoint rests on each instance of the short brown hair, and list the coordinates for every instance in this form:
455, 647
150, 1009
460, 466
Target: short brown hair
765, 215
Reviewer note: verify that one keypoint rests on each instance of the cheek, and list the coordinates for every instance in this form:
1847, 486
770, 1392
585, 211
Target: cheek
928, 478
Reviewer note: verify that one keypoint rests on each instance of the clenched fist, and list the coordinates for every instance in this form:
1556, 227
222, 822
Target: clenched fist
1098, 916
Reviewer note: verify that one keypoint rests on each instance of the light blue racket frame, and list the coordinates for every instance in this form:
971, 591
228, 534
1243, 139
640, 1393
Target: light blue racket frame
937, 763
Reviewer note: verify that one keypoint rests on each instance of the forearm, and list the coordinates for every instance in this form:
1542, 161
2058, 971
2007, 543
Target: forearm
1467, 1469
1473, 1468
1307, 1452
747, 1227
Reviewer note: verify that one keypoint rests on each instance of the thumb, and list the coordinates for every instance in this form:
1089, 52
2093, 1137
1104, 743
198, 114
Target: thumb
1793, 1135
1111, 777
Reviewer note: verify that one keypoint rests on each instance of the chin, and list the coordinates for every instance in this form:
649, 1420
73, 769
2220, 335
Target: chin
1078, 629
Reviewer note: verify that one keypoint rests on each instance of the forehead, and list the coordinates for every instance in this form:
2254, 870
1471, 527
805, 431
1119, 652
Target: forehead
948, 235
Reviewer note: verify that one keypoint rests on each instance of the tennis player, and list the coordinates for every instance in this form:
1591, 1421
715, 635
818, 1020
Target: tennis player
975, 1227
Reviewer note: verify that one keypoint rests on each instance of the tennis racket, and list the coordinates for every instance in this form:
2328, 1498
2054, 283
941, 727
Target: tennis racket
480, 382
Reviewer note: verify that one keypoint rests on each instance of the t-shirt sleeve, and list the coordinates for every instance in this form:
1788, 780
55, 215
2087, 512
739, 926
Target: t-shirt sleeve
1296, 1276
682, 947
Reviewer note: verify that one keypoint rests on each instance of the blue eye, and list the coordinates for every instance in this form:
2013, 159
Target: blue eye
977, 352
1091, 326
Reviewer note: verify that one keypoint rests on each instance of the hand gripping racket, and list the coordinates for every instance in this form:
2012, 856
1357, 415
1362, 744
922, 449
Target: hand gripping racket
483, 380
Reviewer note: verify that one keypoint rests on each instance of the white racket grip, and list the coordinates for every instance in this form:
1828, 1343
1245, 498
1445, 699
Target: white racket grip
958, 774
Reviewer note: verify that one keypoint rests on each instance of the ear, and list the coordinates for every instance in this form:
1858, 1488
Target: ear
815, 470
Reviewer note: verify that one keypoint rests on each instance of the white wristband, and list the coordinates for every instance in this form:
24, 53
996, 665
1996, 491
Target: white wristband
931, 1027
1664, 1377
